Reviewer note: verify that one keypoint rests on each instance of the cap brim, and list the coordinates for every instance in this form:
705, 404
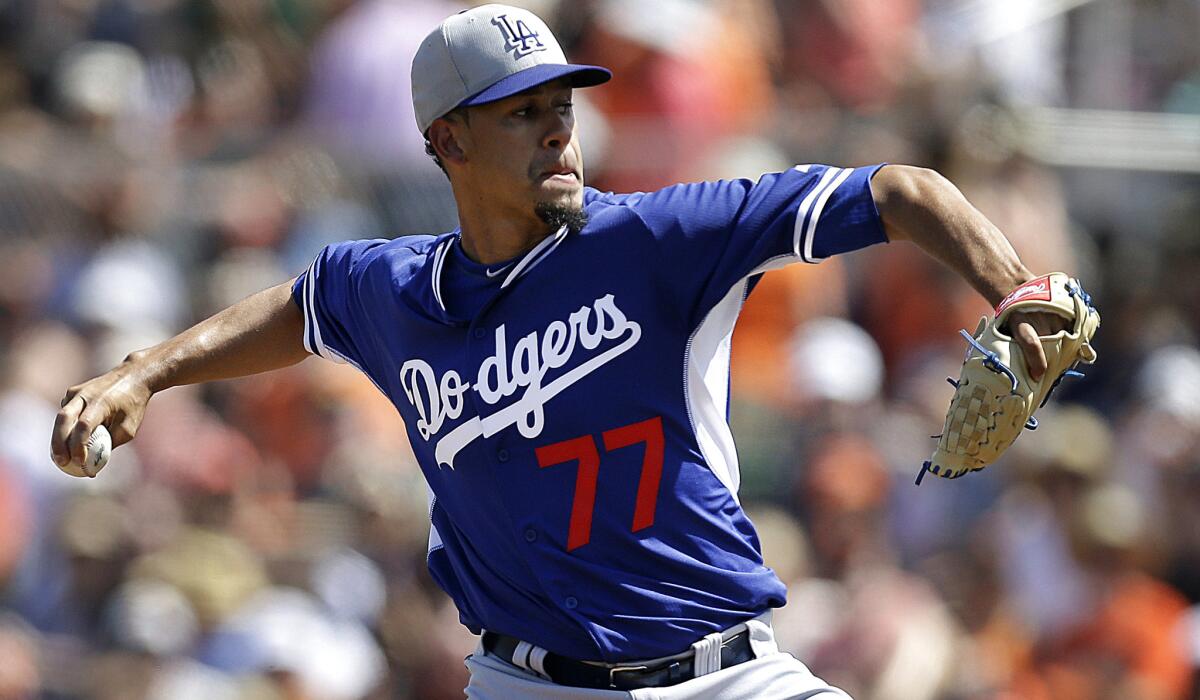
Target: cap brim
580, 75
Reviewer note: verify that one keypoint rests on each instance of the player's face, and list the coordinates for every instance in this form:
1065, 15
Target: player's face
524, 149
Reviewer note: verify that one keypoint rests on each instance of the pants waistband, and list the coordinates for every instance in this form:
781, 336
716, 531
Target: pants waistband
738, 644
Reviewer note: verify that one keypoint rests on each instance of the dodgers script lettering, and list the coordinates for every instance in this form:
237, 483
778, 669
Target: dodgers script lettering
507, 370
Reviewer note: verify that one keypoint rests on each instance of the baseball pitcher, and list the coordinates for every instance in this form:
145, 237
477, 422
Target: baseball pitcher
561, 365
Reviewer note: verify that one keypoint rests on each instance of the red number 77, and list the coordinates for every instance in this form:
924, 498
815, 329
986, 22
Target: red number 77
583, 450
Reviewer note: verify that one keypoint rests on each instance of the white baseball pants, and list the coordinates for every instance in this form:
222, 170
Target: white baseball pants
772, 675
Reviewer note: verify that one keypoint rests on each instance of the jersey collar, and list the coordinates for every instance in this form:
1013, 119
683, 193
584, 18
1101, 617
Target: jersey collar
522, 267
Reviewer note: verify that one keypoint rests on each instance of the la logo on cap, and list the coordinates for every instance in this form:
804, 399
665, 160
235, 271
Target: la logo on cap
518, 37
463, 62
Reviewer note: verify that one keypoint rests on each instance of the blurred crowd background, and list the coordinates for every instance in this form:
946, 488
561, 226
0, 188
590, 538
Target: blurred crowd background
265, 538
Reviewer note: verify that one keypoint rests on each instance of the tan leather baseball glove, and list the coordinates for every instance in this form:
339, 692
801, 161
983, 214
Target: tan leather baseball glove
995, 398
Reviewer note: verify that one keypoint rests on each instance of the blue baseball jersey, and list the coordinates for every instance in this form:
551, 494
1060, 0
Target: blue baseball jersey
570, 413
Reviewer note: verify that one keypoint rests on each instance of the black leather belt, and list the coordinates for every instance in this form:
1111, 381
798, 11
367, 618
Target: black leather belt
582, 674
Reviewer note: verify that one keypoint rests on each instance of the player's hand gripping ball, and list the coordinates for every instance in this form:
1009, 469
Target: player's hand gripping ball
995, 396
96, 452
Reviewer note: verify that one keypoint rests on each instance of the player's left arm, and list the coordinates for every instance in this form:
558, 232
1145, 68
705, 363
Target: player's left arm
919, 205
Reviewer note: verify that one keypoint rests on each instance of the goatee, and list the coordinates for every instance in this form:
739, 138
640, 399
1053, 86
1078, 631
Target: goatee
559, 215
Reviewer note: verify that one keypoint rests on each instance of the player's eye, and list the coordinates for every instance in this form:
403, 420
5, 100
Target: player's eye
523, 112
565, 108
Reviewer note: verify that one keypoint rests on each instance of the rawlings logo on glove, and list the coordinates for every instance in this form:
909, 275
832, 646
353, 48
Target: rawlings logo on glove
1033, 289
995, 397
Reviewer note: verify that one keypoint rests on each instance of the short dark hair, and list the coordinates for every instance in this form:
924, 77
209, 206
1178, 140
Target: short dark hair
459, 112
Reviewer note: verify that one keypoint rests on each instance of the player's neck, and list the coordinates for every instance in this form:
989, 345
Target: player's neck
491, 239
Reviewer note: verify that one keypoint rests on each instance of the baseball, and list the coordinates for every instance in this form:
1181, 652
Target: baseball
95, 454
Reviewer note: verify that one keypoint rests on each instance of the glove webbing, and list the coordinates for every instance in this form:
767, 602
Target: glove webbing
992, 362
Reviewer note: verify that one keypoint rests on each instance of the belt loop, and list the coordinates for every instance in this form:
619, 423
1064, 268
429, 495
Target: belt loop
707, 653
521, 655
537, 661
762, 636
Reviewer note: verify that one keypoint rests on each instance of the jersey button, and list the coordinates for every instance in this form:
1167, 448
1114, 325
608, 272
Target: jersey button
479, 333
502, 455
530, 535
571, 603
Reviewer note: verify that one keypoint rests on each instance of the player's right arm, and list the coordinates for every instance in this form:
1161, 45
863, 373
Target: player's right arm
919, 205
262, 332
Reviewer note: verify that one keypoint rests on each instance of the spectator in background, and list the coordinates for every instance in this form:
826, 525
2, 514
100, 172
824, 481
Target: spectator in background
358, 101
20, 677
360, 105
879, 615
1129, 645
859, 53
677, 89
15, 521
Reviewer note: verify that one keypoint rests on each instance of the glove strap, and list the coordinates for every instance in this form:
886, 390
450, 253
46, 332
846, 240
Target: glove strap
991, 360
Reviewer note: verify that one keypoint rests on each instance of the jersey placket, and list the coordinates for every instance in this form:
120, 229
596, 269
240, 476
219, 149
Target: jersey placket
481, 344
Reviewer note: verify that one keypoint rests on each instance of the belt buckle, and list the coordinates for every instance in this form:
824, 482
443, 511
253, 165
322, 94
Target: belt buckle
613, 670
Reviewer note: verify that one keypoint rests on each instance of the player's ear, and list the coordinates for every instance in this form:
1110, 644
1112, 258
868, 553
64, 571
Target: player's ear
446, 137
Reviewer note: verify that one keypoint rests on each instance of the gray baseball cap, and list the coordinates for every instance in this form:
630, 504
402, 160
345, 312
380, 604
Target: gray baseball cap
486, 54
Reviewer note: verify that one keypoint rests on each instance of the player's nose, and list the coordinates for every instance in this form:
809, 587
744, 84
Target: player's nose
558, 130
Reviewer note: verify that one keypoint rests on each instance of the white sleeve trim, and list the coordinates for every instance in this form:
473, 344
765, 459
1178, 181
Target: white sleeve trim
312, 329
304, 303
317, 344
809, 212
